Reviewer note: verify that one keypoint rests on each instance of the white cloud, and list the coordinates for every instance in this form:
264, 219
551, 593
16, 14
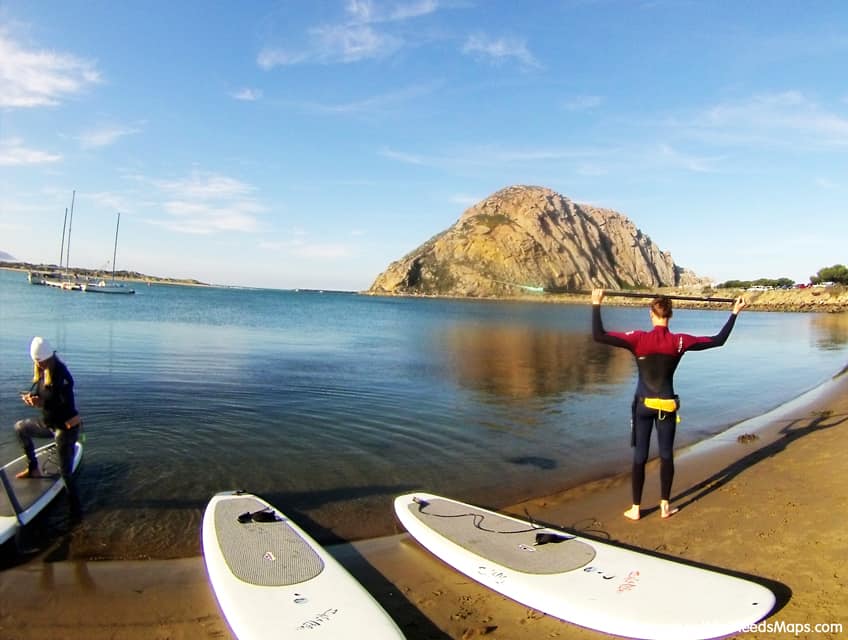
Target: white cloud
787, 118
367, 11
247, 94
13, 153
491, 155
698, 164
105, 135
38, 78
500, 49
205, 203
354, 39
334, 44
352, 43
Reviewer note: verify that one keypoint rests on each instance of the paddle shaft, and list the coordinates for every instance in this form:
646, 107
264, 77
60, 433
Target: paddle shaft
638, 294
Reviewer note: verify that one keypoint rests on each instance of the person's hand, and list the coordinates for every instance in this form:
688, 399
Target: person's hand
739, 304
27, 398
597, 296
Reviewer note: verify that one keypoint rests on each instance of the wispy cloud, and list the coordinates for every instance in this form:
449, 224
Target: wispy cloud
582, 103
787, 118
362, 35
405, 157
299, 245
13, 153
667, 155
492, 155
345, 43
464, 200
379, 103
499, 50
105, 135
205, 203
39, 78
368, 11
247, 94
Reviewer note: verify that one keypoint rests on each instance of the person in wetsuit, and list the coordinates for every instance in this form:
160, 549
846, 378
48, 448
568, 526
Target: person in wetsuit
657, 353
52, 391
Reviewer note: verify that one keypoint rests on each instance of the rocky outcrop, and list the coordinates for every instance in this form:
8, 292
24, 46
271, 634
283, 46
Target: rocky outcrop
531, 239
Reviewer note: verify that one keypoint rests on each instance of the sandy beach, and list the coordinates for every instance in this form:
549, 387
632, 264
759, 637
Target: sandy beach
767, 499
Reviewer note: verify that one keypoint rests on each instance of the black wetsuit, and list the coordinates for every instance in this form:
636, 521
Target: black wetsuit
657, 352
57, 408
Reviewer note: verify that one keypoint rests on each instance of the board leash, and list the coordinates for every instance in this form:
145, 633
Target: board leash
477, 520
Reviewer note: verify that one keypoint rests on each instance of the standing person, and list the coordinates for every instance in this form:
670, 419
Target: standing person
52, 391
657, 353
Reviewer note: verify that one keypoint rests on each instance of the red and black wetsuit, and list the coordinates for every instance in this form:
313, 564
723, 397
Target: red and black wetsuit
657, 353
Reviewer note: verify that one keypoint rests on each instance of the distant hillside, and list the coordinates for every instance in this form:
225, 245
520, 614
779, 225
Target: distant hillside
97, 274
6, 257
524, 238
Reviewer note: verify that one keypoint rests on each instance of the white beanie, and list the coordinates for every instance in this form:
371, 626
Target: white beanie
40, 349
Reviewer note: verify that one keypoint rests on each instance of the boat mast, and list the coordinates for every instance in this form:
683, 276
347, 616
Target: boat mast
62, 249
70, 224
115, 251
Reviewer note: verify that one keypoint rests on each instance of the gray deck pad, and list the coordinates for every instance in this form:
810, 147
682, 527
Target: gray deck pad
29, 490
503, 540
267, 554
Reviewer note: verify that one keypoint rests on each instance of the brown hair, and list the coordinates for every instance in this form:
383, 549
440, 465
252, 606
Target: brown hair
661, 307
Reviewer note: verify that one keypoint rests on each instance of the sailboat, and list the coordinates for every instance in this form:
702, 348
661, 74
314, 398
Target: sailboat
109, 287
61, 278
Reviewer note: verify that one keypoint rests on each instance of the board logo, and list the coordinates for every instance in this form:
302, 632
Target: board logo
317, 621
493, 573
269, 556
630, 582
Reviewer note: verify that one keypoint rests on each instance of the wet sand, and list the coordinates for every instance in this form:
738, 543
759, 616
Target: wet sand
767, 499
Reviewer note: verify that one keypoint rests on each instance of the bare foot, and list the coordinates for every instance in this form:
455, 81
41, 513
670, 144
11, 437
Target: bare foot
26, 473
633, 513
665, 510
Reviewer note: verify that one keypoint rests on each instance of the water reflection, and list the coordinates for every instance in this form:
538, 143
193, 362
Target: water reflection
520, 362
830, 330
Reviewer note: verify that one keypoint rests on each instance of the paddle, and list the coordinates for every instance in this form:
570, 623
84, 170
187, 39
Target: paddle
639, 294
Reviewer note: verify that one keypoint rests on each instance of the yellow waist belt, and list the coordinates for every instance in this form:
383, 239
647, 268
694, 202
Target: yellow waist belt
666, 405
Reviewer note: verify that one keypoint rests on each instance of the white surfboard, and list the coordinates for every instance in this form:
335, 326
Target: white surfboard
589, 583
21, 499
273, 581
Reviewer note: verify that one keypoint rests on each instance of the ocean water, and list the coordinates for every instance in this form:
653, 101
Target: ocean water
329, 404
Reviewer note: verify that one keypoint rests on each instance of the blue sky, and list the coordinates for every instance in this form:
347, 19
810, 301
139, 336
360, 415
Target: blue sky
309, 144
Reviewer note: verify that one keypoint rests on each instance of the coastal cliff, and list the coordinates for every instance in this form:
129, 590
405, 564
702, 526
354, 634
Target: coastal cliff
526, 238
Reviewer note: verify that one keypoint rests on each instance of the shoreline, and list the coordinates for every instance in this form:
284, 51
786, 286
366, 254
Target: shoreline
760, 499
810, 300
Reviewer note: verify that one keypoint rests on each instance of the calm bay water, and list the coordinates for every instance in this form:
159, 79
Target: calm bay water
330, 404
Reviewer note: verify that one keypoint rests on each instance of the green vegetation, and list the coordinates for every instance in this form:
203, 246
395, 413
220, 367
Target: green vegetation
779, 283
838, 273
492, 220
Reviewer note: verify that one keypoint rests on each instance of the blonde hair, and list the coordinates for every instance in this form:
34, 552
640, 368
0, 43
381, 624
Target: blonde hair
36, 374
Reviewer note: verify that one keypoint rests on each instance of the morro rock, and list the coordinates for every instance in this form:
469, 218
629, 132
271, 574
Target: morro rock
525, 238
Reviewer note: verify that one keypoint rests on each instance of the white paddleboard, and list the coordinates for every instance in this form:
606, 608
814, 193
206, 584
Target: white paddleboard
589, 583
29, 496
273, 581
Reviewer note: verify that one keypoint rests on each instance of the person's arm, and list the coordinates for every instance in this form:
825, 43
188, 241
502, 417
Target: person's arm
598, 331
721, 337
